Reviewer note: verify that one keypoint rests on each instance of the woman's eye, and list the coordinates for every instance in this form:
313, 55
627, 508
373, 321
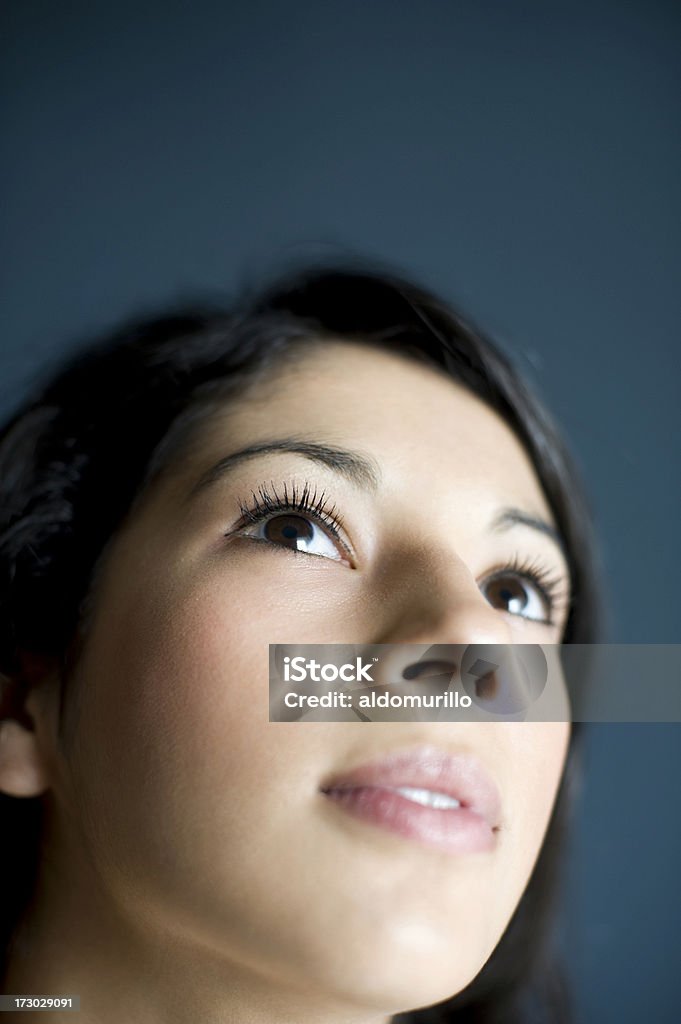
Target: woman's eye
297, 532
518, 596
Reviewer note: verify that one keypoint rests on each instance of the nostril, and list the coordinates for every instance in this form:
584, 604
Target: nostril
487, 686
429, 669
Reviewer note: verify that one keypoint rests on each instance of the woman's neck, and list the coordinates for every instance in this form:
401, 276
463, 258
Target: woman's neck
73, 940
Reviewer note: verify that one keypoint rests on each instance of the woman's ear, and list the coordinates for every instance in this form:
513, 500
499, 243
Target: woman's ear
24, 728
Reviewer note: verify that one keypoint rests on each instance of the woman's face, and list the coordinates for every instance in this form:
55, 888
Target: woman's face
205, 823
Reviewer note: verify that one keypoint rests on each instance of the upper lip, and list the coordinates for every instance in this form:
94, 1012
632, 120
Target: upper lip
460, 776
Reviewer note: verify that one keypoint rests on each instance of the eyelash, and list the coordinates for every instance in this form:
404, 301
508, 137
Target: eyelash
551, 587
304, 502
268, 503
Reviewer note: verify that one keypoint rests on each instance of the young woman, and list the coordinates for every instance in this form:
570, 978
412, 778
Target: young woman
340, 459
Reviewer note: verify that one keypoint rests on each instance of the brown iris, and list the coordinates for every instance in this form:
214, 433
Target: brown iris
289, 530
509, 593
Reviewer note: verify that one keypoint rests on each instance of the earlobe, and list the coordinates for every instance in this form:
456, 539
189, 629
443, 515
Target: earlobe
22, 768
24, 724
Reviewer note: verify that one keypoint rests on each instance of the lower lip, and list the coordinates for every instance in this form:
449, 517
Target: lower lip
456, 830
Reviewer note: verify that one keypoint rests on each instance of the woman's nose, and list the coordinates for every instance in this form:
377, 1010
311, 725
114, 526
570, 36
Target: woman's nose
431, 600
432, 597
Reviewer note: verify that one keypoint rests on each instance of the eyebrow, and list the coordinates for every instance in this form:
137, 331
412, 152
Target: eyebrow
359, 469
507, 518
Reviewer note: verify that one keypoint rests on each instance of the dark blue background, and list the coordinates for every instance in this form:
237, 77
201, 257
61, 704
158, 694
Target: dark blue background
524, 158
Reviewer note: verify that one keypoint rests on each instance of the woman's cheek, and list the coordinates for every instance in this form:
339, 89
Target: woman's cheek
538, 751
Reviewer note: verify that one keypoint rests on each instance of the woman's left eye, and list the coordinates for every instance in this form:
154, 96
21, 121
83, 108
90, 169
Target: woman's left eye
518, 595
298, 533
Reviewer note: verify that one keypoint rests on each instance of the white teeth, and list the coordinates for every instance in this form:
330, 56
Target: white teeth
428, 798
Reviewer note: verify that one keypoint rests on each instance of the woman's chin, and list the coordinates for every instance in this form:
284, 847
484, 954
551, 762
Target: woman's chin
397, 980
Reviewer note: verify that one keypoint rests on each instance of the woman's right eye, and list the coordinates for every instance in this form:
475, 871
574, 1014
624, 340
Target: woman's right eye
297, 533
298, 521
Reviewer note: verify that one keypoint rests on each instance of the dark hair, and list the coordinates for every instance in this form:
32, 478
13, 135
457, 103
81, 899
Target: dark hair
75, 458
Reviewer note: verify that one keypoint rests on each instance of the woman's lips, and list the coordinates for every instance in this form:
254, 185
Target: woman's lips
440, 800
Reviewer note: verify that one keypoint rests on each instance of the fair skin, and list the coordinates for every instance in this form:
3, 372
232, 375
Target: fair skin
193, 870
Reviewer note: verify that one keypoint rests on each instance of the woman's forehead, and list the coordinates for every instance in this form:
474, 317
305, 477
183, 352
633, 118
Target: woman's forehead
412, 421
